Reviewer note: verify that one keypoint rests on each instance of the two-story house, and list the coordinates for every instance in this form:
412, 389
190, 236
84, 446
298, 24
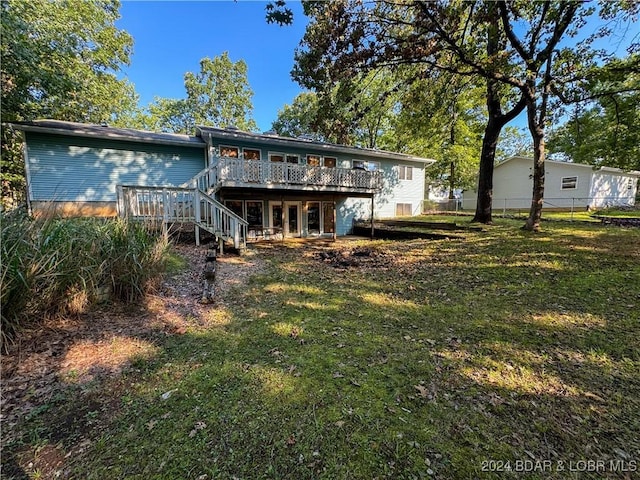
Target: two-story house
234, 184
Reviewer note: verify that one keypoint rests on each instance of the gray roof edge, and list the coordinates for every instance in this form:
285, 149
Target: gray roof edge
592, 167
222, 133
59, 127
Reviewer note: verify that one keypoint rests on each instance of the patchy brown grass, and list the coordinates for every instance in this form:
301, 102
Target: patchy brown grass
412, 359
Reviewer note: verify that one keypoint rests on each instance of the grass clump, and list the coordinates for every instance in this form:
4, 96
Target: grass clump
62, 266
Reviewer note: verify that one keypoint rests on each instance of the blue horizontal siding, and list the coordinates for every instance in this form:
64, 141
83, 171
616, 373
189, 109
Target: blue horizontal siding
67, 168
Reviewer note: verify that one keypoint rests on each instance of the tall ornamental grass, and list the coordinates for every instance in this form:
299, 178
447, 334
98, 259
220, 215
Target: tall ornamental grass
62, 266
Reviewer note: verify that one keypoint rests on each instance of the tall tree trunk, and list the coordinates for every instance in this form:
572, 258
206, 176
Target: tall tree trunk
485, 174
452, 164
497, 120
537, 198
536, 127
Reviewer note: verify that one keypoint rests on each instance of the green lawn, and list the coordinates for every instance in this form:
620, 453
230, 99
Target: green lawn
423, 359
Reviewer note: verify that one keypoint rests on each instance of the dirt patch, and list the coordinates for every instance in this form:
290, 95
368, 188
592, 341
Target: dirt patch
55, 355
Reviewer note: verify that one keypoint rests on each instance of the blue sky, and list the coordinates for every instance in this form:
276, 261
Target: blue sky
170, 39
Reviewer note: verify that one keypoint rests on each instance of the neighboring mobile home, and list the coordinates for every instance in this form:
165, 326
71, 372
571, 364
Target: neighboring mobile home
235, 184
567, 185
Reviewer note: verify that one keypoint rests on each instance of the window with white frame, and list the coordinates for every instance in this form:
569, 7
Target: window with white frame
236, 206
630, 184
293, 159
373, 166
276, 157
251, 154
329, 162
359, 164
403, 209
314, 160
230, 152
405, 172
569, 183
254, 213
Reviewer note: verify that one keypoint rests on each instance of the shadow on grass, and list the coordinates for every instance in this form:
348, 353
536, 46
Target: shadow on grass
422, 363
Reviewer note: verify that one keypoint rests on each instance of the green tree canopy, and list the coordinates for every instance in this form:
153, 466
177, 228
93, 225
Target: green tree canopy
603, 129
218, 96
59, 60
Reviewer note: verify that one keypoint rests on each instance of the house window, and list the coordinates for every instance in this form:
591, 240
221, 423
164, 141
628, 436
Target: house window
251, 154
313, 218
328, 225
569, 183
330, 162
359, 164
630, 184
405, 172
276, 157
313, 160
373, 166
254, 213
403, 209
230, 152
235, 206
293, 159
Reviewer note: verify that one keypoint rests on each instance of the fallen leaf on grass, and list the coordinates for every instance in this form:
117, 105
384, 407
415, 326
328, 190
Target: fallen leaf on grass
422, 391
196, 427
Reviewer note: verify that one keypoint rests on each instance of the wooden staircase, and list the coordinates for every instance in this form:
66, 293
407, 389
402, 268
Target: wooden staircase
191, 203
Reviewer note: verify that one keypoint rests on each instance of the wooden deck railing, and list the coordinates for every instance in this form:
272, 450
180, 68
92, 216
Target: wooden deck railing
261, 172
166, 205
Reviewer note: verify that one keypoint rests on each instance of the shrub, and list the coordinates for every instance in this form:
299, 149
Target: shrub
58, 266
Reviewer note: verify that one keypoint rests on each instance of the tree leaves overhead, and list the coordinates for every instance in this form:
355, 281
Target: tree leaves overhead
603, 128
217, 96
59, 60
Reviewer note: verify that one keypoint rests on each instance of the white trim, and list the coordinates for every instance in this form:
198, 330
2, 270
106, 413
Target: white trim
404, 204
259, 150
246, 211
244, 217
320, 217
319, 157
363, 162
575, 186
236, 135
281, 154
335, 163
405, 171
291, 155
220, 147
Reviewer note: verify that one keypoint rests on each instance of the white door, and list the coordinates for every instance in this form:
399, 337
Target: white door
287, 216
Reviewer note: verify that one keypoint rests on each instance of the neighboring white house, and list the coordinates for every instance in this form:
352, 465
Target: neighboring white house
567, 185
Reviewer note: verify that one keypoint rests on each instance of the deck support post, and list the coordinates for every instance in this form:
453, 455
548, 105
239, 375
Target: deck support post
165, 214
372, 214
196, 214
335, 218
221, 245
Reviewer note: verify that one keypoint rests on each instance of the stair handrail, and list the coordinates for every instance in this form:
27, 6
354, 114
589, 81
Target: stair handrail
220, 215
209, 173
222, 206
